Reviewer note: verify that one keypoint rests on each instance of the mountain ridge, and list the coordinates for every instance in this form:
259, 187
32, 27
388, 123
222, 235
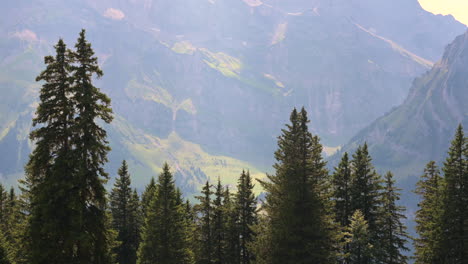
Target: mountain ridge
221, 75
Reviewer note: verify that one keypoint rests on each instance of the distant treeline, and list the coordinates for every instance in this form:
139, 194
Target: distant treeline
64, 214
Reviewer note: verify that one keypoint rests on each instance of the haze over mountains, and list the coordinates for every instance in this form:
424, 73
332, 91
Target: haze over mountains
207, 84
417, 131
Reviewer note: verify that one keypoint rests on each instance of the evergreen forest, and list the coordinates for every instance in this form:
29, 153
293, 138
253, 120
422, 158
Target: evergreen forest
63, 212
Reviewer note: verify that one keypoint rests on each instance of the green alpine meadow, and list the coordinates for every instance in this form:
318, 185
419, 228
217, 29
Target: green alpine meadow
233, 132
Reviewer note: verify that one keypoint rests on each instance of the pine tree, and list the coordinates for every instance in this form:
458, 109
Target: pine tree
392, 236
295, 202
205, 240
218, 225
124, 209
51, 166
428, 217
164, 236
342, 191
147, 195
366, 190
246, 206
455, 215
358, 239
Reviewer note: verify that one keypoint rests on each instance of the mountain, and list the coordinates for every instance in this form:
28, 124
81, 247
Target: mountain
208, 84
421, 129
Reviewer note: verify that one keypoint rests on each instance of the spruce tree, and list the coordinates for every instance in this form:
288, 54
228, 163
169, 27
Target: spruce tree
295, 202
392, 236
91, 148
232, 235
428, 217
51, 166
136, 220
218, 225
455, 215
164, 236
124, 209
148, 193
341, 195
205, 240
358, 239
342, 191
366, 190
246, 206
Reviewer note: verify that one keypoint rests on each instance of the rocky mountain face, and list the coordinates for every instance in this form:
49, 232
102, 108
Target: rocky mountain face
421, 129
208, 84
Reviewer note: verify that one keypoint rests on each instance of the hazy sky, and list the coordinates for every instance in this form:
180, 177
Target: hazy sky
458, 8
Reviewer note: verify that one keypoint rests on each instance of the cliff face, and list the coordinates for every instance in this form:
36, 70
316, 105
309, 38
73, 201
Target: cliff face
422, 127
219, 78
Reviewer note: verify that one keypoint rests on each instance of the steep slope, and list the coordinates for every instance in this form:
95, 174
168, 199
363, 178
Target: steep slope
422, 127
222, 75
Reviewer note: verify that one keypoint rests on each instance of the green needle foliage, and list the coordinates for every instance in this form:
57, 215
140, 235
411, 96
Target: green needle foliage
455, 215
246, 206
4, 253
428, 217
300, 232
146, 196
124, 206
205, 239
231, 234
218, 225
164, 237
366, 190
392, 236
65, 171
358, 239
342, 191
51, 166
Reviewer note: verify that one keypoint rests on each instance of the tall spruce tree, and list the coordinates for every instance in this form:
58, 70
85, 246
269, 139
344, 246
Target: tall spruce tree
455, 215
232, 236
125, 212
246, 206
341, 195
205, 240
358, 239
164, 235
342, 191
366, 190
392, 236
90, 154
53, 225
148, 193
218, 225
294, 203
428, 217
